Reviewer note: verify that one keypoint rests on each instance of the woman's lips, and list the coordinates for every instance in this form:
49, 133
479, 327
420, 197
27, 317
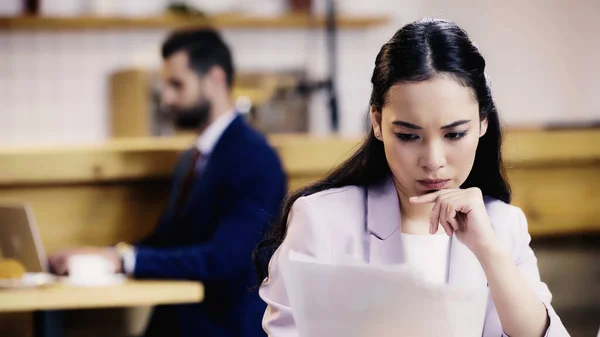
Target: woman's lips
433, 184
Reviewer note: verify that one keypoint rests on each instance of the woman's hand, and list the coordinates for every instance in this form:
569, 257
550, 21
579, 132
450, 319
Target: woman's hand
463, 212
460, 211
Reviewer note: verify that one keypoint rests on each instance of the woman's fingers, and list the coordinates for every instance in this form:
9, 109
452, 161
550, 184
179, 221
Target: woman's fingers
444, 210
446, 215
450, 214
426, 198
454, 223
434, 217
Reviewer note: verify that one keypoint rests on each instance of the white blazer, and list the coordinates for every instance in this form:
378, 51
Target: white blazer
331, 224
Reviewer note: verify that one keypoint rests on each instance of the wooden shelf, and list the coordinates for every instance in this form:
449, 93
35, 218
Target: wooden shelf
289, 21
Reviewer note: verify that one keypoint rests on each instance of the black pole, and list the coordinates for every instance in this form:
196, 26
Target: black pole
330, 31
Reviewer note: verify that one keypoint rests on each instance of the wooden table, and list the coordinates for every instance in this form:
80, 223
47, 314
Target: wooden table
130, 294
46, 302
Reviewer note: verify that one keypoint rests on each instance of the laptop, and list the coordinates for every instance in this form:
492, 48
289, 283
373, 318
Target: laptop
19, 238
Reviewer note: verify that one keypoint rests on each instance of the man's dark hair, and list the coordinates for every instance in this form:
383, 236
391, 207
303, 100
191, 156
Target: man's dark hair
205, 49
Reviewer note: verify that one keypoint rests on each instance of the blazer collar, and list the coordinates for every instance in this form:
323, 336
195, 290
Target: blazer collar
383, 210
209, 138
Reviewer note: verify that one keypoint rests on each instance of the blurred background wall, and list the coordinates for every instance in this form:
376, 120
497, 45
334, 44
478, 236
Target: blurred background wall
541, 60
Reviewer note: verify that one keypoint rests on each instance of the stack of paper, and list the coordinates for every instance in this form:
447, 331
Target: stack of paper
355, 299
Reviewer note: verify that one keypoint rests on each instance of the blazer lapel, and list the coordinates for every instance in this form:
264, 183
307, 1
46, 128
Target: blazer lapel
383, 222
200, 188
178, 179
203, 186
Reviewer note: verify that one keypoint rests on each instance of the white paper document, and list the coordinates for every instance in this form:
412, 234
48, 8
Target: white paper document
354, 299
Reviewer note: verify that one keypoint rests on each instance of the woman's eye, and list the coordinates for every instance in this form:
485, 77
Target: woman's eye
407, 137
455, 135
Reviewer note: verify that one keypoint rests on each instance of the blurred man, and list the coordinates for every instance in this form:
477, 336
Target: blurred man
225, 191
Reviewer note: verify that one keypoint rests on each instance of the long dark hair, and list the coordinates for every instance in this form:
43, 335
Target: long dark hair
417, 52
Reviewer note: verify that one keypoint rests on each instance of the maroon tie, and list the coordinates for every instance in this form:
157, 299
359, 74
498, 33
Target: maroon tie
188, 181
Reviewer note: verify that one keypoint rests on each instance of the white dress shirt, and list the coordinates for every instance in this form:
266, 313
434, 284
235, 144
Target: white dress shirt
208, 139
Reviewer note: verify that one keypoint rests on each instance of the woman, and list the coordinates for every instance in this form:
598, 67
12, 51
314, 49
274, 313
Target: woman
428, 177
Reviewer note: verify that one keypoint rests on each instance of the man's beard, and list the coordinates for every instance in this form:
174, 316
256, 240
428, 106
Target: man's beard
192, 118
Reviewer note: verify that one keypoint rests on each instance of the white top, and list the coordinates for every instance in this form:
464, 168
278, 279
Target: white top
428, 255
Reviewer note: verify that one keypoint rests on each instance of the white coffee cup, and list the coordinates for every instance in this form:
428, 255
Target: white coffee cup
90, 270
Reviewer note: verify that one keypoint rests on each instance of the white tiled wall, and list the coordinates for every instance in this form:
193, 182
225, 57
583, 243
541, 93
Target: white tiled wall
542, 60
54, 84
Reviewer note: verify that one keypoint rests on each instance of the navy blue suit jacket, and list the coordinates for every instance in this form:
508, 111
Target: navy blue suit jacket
226, 214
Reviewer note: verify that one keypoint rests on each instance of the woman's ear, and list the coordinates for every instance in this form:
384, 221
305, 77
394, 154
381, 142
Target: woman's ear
376, 122
483, 125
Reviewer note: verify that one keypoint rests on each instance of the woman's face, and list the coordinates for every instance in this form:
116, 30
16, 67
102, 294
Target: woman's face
430, 131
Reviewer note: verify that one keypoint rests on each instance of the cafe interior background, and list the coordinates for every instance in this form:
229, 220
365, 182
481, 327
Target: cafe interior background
82, 140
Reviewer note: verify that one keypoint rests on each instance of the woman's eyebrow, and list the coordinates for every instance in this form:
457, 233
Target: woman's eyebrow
407, 124
457, 123
416, 127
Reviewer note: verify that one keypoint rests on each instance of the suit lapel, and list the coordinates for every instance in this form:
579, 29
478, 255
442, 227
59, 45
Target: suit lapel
383, 221
178, 178
202, 192
202, 189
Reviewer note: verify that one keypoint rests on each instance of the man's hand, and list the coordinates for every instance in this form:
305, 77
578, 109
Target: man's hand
59, 262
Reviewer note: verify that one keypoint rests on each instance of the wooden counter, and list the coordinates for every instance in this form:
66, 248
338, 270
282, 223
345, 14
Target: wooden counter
144, 158
149, 158
131, 294
101, 194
